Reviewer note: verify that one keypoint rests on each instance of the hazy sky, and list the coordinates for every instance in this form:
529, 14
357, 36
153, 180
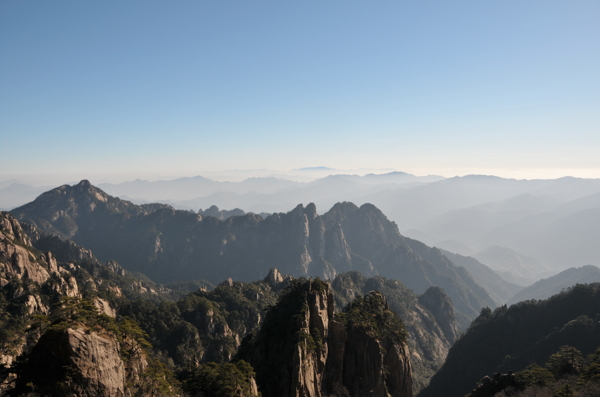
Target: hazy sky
166, 88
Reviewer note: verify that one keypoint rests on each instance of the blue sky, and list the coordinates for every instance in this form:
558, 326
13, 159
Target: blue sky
156, 88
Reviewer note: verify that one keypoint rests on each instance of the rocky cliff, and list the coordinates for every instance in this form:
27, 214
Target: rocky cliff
302, 349
429, 319
81, 361
58, 332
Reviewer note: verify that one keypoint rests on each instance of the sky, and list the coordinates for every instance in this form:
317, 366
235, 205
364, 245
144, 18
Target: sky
117, 90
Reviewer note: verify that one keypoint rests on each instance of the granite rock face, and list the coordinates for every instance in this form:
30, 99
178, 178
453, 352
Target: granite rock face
303, 350
82, 362
33, 285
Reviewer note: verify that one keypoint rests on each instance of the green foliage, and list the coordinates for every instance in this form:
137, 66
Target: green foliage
12, 323
371, 315
73, 312
220, 380
158, 380
565, 391
568, 360
534, 375
529, 332
591, 372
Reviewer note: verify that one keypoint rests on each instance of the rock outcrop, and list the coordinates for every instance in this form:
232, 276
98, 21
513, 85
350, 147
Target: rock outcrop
303, 350
429, 319
81, 361
440, 305
33, 287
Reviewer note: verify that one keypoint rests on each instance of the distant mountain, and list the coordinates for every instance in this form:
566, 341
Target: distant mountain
455, 247
547, 287
512, 264
15, 194
499, 289
189, 188
553, 222
319, 168
214, 211
411, 208
170, 245
509, 339
266, 194
469, 224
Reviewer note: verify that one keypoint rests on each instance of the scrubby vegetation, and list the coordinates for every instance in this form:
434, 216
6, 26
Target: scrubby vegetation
371, 315
565, 373
220, 380
511, 338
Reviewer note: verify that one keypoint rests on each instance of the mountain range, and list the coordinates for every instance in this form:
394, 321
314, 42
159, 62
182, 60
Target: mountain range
46, 283
58, 298
174, 245
550, 286
548, 221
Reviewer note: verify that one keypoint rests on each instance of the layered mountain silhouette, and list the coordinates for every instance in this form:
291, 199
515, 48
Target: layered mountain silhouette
553, 221
547, 287
499, 289
173, 245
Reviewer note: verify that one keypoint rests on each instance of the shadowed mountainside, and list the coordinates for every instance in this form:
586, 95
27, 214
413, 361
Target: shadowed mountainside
171, 245
547, 287
499, 289
509, 339
202, 326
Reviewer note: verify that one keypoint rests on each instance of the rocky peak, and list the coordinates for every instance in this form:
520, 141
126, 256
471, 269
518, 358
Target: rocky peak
84, 184
376, 359
440, 305
276, 280
274, 277
311, 211
59, 210
303, 350
17, 258
80, 361
11, 228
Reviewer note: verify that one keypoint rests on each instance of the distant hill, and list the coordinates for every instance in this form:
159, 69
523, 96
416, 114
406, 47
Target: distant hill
413, 207
170, 245
547, 287
499, 289
509, 339
265, 194
15, 194
553, 221
505, 260
214, 211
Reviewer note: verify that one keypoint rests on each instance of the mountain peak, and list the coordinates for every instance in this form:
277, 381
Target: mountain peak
84, 183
